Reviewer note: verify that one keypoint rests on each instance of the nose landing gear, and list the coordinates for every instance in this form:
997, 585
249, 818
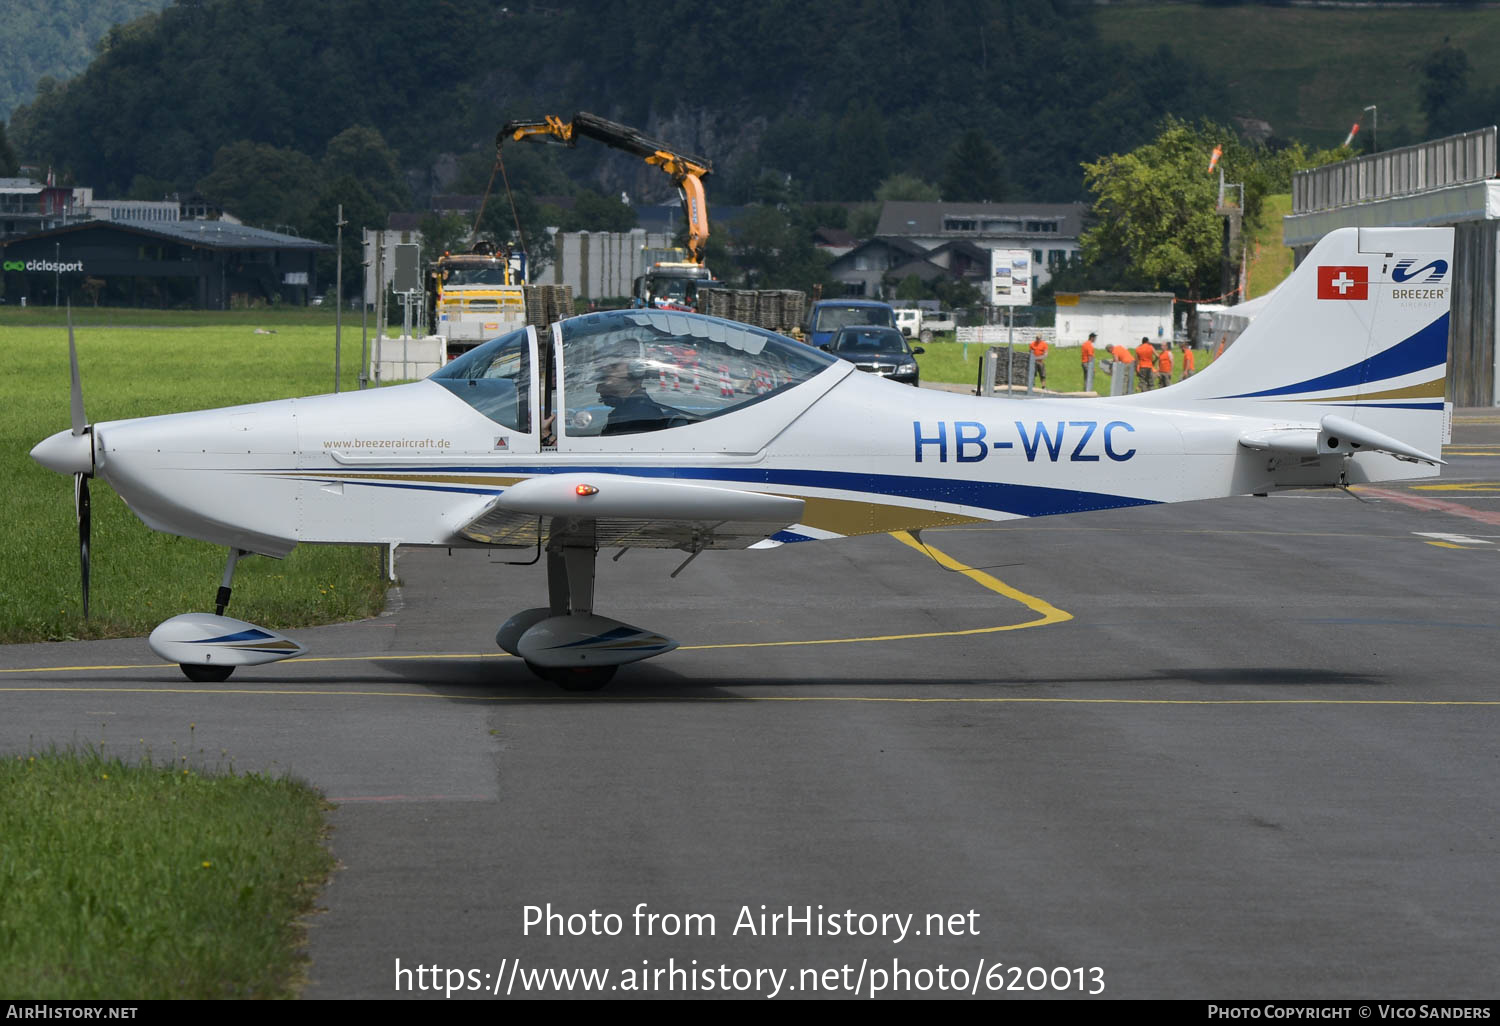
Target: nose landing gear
208, 646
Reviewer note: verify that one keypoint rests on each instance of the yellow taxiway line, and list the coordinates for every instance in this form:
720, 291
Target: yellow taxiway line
1047, 614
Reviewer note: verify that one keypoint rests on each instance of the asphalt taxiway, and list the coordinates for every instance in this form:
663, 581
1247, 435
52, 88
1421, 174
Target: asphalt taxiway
1239, 749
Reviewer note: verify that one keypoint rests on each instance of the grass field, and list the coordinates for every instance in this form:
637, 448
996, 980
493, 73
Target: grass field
150, 878
1309, 71
136, 363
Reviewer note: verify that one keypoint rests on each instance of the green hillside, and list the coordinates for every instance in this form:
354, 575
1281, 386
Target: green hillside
825, 100
1311, 71
55, 38
1270, 259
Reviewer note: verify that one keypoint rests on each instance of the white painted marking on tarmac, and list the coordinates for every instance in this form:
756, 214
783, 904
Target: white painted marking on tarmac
1457, 539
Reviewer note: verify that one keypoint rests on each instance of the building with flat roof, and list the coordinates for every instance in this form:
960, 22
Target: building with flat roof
199, 264
27, 206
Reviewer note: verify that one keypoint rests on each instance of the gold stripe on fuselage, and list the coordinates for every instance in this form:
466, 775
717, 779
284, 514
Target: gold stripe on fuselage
853, 516
1433, 389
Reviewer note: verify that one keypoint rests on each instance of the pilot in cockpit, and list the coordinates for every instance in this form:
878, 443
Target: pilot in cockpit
631, 409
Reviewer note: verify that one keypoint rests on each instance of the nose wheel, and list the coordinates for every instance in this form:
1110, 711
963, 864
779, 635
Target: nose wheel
572, 678
202, 673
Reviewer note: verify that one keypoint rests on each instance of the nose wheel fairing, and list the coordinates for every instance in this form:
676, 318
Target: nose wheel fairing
208, 646
203, 640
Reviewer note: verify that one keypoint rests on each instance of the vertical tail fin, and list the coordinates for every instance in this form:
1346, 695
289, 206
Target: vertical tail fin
1359, 332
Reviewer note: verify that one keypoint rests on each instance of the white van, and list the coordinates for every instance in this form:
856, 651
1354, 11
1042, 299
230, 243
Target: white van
910, 322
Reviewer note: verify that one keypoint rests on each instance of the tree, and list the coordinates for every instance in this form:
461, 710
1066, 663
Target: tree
911, 288
906, 187
8, 164
957, 294
360, 152
1445, 88
530, 235
144, 187
863, 220
595, 213
444, 233
1155, 208
361, 210
861, 159
773, 251
262, 184
973, 171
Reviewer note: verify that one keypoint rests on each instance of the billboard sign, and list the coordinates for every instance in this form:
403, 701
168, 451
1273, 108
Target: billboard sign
408, 274
1010, 277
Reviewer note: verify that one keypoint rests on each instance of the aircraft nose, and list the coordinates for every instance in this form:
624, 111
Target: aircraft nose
66, 453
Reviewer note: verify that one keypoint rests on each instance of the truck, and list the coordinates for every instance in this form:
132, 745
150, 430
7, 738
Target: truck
475, 296
671, 281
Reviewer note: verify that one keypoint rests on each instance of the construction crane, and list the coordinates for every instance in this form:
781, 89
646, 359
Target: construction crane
686, 170
667, 282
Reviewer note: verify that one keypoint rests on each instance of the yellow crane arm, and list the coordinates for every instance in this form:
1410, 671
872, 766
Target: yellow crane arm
686, 170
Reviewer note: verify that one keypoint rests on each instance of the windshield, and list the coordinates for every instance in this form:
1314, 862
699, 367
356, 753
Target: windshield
869, 340
831, 318
495, 379
474, 276
628, 371
669, 288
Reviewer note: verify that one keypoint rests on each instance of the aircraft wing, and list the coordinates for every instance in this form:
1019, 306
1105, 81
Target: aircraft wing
631, 512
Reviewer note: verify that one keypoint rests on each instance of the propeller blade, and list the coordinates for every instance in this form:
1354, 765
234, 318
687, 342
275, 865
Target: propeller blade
80, 421
85, 529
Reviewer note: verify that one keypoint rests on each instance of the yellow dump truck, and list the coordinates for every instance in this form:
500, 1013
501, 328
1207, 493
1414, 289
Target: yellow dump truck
474, 296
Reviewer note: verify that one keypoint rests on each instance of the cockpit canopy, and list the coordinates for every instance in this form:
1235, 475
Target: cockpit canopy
630, 371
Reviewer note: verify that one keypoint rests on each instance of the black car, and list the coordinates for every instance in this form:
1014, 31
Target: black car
879, 350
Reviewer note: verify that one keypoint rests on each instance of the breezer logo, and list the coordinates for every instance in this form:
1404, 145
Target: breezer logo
1403, 272
1344, 282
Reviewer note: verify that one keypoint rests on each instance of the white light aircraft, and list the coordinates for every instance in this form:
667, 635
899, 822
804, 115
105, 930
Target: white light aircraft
643, 428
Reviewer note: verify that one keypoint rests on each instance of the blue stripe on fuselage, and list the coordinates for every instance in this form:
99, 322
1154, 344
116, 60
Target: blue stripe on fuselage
1427, 348
1001, 497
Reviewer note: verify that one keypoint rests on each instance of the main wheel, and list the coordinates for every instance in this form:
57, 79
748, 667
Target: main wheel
202, 673
574, 678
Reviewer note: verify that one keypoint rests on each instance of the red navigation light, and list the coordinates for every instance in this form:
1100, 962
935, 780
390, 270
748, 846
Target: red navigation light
586, 489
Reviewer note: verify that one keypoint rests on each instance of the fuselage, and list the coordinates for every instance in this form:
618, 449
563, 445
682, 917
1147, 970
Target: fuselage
410, 464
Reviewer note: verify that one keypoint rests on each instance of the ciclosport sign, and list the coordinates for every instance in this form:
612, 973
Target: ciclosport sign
43, 265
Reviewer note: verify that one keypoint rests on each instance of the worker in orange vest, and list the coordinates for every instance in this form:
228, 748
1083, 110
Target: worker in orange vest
1145, 363
1187, 362
1126, 360
1164, 367
1039, 351
1086, 360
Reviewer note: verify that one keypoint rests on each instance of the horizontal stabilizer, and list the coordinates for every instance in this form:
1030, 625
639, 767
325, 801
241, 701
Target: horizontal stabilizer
1334, 435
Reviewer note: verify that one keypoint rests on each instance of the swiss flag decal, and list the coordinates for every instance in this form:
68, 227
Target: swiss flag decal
1343, 282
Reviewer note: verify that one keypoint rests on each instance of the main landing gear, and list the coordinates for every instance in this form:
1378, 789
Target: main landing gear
565, 642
